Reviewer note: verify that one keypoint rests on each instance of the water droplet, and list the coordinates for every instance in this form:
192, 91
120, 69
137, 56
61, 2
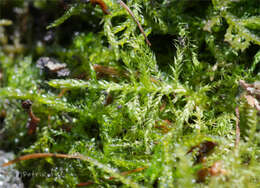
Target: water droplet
46, 150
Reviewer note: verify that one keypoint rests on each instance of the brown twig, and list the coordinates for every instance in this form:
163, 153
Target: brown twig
27, 105
130, 172
134, 18
114, 72
237, 128
245, 85
253, 93
43, 155
63, 91
102, 5
106, 70
58, 155
85, 184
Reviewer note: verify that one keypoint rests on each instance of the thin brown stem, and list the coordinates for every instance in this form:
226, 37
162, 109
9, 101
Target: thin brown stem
135, 19
58, 155
237, 128
102, 5
63, 91
106, 70
85, 184
43, 155
27, 105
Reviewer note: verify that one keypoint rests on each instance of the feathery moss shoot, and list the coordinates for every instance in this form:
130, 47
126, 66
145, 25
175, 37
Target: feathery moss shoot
137, 93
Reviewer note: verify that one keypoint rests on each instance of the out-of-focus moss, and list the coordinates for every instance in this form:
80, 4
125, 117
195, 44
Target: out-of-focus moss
136, 111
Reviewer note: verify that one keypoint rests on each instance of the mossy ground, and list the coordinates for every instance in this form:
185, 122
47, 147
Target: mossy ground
129, 107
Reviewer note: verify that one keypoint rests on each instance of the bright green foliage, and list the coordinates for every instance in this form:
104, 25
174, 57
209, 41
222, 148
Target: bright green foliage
126, 105
238, 33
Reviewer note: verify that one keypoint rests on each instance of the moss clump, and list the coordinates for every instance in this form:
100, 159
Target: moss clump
141, 115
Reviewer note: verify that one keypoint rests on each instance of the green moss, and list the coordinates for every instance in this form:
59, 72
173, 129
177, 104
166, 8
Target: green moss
127, 106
